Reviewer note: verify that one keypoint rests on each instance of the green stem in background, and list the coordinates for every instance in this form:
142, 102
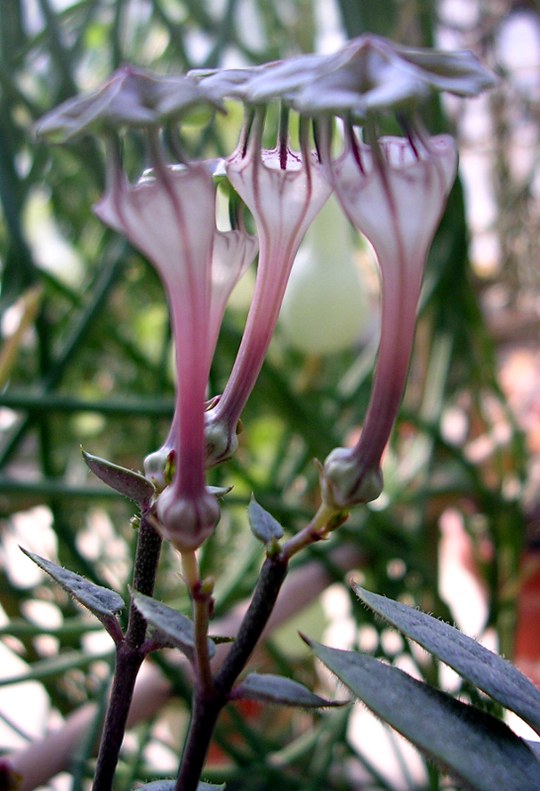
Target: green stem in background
63, 57
100, 294
208, 701
129, 657
62, 404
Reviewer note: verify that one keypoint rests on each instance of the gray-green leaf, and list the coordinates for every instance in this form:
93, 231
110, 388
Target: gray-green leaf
486, 670
127, 482
172, 625
269, 688
103, 602
263, 525
477, 749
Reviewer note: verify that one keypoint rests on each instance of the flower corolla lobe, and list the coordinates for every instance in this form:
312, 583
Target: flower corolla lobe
131, 98
370, 74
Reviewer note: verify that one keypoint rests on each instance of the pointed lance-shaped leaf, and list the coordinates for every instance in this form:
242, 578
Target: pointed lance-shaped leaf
269, 688
170, 624
262, 524
535, 747
102, 602
478, 750
486, 670
127, 482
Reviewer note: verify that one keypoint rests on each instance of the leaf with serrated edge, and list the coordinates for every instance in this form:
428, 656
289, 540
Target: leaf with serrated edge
475, 748
127, 482
174, 626
101, 601
481, 667
269, 688
263, 525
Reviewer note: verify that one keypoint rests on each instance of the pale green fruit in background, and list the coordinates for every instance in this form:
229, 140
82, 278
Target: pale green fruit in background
326, 307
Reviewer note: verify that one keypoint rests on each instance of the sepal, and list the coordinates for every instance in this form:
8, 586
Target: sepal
344, 483
219, 491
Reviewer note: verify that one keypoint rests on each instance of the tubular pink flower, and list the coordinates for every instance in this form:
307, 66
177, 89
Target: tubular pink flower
170, 217
394, 193
233, 252
283, 190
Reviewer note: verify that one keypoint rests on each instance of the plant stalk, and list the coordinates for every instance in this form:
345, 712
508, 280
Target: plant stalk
129, 658
208, 701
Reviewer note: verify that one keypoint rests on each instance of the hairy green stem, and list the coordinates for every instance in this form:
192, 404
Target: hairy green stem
129, 657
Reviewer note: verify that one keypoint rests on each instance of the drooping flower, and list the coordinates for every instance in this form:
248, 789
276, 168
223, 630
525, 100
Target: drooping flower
394, 192
283, 190
368, 76
170, 217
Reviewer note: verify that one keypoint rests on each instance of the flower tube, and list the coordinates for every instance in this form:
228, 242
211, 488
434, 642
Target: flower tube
394, 192
170, 217
283, 190
232, 254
